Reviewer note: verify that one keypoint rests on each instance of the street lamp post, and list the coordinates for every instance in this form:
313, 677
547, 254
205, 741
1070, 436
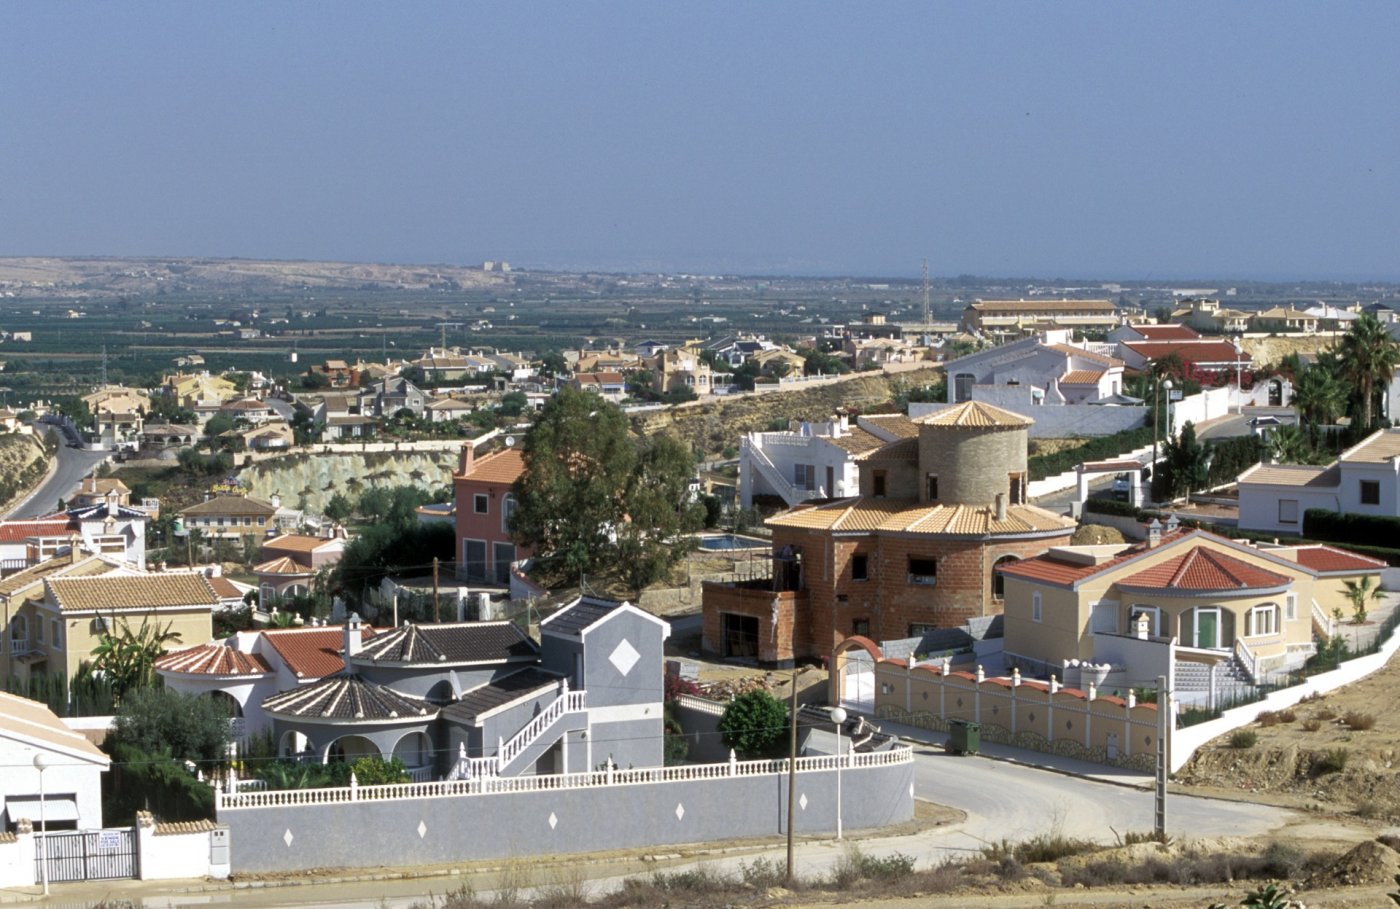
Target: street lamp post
1239, 378
1157, 424
41, 763
838, 716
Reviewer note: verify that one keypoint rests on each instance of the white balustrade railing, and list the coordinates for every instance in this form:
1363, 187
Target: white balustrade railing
419, 774
1322, 620
1247, 659
488, 785
568, 702
786, 489
701, 705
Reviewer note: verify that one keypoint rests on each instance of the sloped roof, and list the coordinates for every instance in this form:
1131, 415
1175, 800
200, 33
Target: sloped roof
142, 591
1166, 332
296, 542
1091, 355
1200, 569
1189, 351
859, 515
454, 643
499, 692
1042, 305
1082, 377
282, 565
503, 467
311, 652
19, 531
59, 565
239, 505
974, 415
1376, 448
351, 699
213, 659
855, 440
1292, 475
26, 719
897, 424
1051, 569
1325, 559
906, 449
580, 615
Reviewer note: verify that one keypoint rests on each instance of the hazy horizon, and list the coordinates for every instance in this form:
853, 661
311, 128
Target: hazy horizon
1249, 142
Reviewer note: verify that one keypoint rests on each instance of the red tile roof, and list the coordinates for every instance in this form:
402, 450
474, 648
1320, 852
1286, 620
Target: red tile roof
224, 589
1166, 332
1052, 570
311, 652
213, 659
19, 531
1082, 377
1325, 558
1203, 569
503, 467
1189, 351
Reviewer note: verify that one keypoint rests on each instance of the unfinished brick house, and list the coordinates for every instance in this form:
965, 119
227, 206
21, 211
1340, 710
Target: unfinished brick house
913, 552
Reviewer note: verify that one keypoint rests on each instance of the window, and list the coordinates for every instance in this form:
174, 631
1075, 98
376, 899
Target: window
39, 630
923, 571
1103, 618
1017, 489
962, 387
1035, 607
480, 504
262, 521
57, 630
1290, 609
1370, 492
877, 483
1154, 620
860, 567
507, 509
1288, 511
804, 476
918, 630
1262, 620
861, 627
998, 579
931, 487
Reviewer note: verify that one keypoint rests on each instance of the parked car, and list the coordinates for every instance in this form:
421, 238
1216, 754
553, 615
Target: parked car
1122, 486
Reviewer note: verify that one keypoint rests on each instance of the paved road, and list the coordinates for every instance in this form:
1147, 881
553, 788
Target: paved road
1002, 801
1238, 424
73, 465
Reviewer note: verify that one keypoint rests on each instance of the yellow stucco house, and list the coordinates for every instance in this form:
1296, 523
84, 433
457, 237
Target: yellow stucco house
1221, 602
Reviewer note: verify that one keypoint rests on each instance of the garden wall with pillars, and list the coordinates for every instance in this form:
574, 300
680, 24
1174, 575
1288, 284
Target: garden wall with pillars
1036, 715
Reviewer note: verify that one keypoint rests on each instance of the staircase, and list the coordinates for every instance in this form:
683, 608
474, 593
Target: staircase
1232, 682
764, 465
567, 713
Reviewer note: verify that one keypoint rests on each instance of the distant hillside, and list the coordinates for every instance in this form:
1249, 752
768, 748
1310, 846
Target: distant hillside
67, 277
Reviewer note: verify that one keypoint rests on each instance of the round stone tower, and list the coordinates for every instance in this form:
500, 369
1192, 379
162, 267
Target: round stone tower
972, 453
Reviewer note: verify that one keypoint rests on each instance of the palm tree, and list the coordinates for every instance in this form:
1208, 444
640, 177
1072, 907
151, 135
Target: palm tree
1360, 593
127, 659
1368, 356
1318, 395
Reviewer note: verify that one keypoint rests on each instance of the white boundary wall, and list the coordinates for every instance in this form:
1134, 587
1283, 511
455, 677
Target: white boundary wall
1184, 742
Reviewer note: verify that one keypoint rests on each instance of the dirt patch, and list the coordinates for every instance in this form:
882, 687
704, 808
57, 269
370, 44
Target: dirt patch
1096, 535
1371, 863
1318, 752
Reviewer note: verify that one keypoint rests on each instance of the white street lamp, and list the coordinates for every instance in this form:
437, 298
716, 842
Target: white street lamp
838, 716
41, 763
1239, 381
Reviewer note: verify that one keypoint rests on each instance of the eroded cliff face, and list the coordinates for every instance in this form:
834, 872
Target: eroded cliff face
320, 476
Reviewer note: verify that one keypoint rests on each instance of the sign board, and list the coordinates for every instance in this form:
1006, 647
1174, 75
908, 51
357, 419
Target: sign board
109, 839
1175, 394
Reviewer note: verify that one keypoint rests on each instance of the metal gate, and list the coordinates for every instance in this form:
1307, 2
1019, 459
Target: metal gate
86, 855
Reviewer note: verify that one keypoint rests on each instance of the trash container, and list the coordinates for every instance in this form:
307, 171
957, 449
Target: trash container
964, 737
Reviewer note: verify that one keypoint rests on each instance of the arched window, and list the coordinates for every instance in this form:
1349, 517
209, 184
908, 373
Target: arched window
998, 581
962, 387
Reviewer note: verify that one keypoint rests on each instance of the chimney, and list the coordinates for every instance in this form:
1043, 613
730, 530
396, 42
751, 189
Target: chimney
75, 551
351, 641
1154, 534
1140, 626
276, 500
464, 463
1172, 523
111, 503
92, 482
1001, 506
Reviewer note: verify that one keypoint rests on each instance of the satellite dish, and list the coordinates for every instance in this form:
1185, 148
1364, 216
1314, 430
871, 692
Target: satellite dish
510, 441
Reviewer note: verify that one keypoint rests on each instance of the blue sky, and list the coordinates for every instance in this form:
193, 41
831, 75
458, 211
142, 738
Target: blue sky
1247, 140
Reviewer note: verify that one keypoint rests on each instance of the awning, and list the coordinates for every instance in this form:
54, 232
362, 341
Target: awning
55, 809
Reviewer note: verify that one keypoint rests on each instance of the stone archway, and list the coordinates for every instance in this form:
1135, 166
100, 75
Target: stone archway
851, 679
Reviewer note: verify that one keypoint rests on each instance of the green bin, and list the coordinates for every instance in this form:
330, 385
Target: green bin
964, 737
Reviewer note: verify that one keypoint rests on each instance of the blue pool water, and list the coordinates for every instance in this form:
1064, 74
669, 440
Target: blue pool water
722, 542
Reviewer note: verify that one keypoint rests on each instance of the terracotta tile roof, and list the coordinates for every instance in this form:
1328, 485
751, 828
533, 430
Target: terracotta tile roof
31, 719
59, 565
19, 531
1202, 569
239, 505
1325, 558
295, 542
1189, 351
898, 450
349, 698
974, 414
895, 423
1051, 569
311, 652
213, 659
174, 828
224, 589
1091, 355
856, 441
1166, 332
282, 565
503, 467
454, 643
1378, 448
1082, 377
599, 378
142, 591
498, 693
903, 516
1292, 475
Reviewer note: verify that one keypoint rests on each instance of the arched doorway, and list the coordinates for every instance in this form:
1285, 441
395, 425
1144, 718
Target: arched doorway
415, 750
293, 744
852, 673
228, 702
349, 749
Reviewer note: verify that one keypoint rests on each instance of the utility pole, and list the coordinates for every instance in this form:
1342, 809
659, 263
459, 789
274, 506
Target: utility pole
1164, 725
437, 617
926, 322
792, 774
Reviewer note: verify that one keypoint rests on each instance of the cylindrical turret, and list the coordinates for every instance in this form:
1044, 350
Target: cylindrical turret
971, 453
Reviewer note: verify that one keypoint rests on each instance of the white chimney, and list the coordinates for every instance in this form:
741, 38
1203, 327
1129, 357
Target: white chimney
1154, 534
1001, 506
276, 500
352, 642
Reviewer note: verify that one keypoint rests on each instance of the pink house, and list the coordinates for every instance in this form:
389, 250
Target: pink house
482, 491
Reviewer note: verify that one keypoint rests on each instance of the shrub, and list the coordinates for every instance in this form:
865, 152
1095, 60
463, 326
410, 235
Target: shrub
1354, 719
1243, 738
1312, 724
1287, 716
1111, 506
761, 874
1333, 760
1326, 713
1268, 718
754, 723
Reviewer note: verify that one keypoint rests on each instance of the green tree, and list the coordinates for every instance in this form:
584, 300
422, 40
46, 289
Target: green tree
1186, 465
1359, 593
553, 364
1368, 356
1319, 395
754, 724
193, 727
512, 404
658, 516
127, 658
339, 508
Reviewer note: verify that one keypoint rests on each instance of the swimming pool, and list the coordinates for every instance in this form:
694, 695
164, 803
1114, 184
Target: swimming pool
728, 542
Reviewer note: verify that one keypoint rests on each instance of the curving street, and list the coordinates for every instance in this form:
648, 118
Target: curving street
73, 465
